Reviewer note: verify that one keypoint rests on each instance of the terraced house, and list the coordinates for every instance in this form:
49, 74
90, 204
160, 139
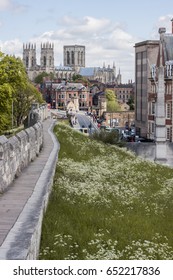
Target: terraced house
153, 114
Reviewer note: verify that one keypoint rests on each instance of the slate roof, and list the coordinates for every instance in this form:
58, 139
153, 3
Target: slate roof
168, 47
87, 71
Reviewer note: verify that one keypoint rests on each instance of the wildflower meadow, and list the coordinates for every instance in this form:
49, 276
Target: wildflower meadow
106, 204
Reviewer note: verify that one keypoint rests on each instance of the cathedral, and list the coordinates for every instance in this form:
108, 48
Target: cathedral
74, 63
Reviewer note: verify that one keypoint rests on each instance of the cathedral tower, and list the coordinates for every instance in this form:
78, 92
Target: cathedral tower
47, 57
74, 56
29, 56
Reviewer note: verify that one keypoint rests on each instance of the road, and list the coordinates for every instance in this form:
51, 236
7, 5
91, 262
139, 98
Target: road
87, 122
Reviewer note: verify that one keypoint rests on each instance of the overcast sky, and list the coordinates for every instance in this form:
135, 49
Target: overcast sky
108, 28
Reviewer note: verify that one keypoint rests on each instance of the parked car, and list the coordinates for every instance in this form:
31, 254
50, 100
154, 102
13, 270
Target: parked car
143, 139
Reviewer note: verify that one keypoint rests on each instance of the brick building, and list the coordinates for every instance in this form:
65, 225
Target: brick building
154, 92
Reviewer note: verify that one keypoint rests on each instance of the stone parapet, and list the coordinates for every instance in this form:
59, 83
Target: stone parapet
17, 151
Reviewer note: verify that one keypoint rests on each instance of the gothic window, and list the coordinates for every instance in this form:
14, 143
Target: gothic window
32, 61
78, 58
68, 57
27, 61
82, 62
50, 61
72, 57
44, 61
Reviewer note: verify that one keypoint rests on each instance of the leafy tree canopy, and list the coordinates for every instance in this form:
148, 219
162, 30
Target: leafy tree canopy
112, 103
131, 103
16, 92
40, 77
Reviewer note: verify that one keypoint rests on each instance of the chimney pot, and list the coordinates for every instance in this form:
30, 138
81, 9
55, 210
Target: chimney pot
162, 30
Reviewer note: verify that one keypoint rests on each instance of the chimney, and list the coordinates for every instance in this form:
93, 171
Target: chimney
172, 25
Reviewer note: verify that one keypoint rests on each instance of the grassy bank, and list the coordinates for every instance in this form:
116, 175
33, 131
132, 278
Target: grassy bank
107, 204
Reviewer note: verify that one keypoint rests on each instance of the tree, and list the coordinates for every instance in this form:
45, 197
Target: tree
15, 89
131, 103
12, 76
112, 103
23, 101
76, 77
39, 78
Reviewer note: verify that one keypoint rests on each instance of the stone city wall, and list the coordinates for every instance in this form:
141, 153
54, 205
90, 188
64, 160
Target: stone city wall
148, 151
17, 152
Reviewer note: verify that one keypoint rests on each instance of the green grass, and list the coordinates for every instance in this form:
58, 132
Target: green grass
106, 203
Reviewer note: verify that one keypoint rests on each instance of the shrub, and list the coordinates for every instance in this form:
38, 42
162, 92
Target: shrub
106, 137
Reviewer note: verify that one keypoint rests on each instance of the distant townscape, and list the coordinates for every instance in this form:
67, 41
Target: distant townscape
153, 115
74, 63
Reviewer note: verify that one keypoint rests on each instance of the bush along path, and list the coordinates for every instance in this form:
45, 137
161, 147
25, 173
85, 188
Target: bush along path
107, 204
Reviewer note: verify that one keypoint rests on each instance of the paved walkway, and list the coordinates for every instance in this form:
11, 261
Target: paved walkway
13, 201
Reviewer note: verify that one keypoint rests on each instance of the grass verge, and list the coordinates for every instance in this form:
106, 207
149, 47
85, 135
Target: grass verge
106, 203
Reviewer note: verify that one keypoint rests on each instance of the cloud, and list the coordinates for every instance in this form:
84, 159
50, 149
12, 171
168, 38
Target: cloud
10, 5
105, 41
163, 21
12, 47
5, 4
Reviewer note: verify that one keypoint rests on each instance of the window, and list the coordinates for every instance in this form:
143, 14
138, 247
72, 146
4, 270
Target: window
44, 61
152, 127
27, 61
32, 61
50, 60
68, 57
168, 134
152, 108
168, 110
72, 57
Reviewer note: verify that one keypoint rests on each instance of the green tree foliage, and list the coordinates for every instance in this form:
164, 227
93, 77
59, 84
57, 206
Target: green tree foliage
39, 78
131, 103
16, 92
112, 103
23, 101
76, 77
106, 137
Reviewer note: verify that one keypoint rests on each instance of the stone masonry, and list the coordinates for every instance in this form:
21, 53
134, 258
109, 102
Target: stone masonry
17, 152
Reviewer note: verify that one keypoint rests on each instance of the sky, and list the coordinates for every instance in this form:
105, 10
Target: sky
108, 29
